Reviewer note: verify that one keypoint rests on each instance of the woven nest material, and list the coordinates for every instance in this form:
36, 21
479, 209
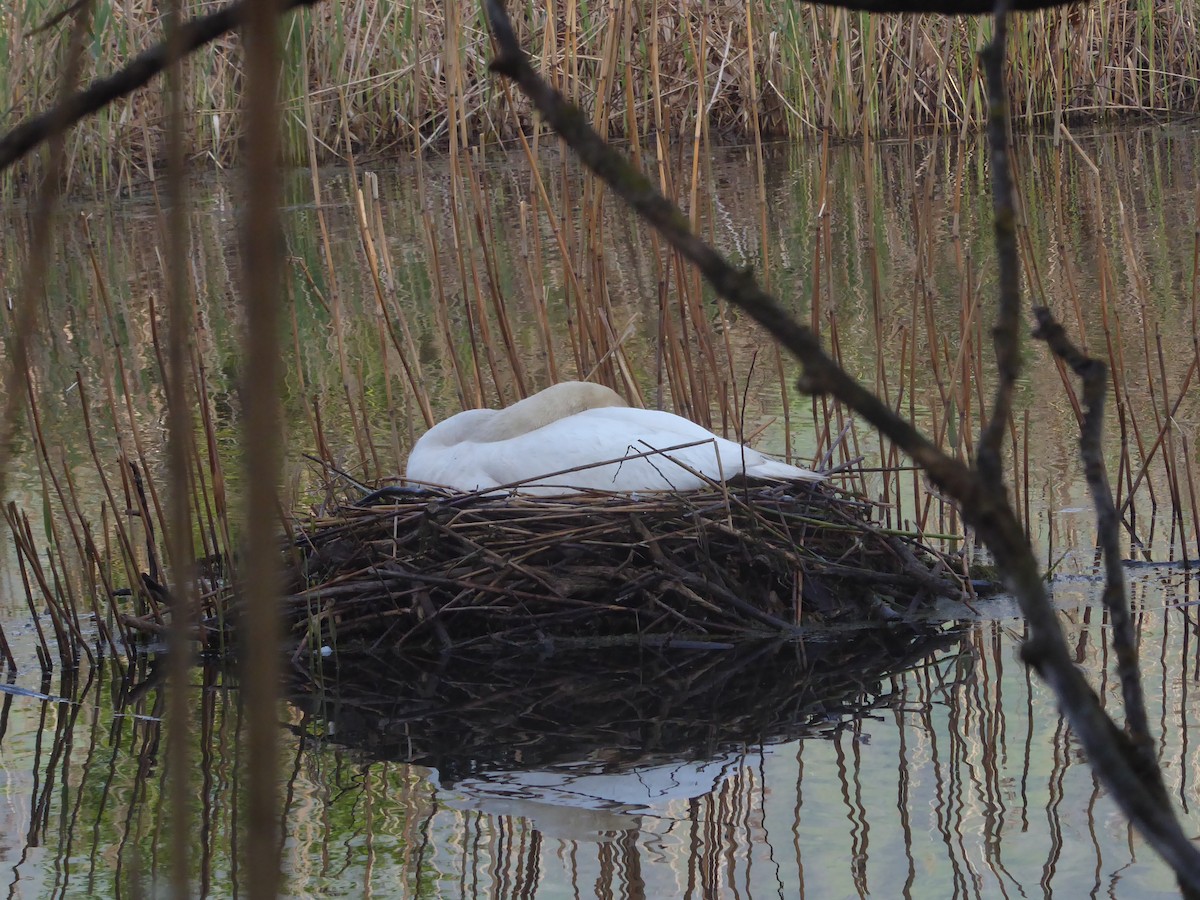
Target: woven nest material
456, 572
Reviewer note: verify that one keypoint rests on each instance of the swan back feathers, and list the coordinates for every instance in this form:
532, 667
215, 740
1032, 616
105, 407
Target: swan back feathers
577, 436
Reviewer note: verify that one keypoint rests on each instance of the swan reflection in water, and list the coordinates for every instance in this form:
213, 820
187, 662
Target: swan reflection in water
584, 802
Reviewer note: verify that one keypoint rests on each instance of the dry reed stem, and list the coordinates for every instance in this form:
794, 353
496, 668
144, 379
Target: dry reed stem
33, 277
368, 76
262, 438
180, 444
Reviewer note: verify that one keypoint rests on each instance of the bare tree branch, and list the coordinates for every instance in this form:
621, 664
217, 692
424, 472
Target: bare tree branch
1094, 375
192, 35
1113, 756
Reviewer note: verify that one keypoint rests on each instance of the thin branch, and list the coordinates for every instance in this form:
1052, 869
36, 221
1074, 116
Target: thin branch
1094, 375
69, 10
1126, 762
192, 35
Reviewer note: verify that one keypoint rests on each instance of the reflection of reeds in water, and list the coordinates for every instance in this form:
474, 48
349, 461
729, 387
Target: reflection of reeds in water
97, 768
936, 772
1153, 417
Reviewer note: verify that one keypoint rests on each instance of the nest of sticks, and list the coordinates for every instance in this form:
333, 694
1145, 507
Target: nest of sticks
452, 572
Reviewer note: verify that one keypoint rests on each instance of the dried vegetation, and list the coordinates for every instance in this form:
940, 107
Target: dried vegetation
382, 78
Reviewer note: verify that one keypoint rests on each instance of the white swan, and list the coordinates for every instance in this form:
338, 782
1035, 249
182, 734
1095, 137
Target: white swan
577, 436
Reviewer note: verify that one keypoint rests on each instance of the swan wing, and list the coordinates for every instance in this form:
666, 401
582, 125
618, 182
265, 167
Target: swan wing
715, 457
625, 450
444, 455
583, 451
619, 449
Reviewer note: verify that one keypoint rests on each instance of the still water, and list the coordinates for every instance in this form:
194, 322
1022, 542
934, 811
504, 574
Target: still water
920, 761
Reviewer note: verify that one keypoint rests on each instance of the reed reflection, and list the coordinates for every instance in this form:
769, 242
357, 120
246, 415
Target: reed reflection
898, 762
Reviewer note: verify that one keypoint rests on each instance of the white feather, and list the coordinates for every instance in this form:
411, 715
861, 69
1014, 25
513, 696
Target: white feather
574, 436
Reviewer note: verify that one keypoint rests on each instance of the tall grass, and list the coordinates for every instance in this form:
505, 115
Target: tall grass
469, 283
382, 78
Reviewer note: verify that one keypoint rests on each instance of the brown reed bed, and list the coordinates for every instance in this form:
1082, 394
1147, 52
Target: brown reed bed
368, 76
105, 520
451, 572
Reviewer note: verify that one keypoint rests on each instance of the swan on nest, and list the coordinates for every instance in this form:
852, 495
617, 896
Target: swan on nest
577, 436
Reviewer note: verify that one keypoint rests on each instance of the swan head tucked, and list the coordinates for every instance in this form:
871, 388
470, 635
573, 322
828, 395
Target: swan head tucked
556, 402
486, 426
